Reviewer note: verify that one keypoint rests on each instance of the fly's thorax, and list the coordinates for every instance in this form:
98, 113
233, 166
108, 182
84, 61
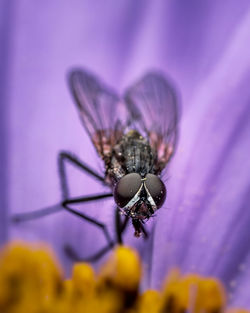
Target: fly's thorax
132, 154
139, 197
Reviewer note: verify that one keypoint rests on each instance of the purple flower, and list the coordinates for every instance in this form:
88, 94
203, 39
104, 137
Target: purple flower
204, 47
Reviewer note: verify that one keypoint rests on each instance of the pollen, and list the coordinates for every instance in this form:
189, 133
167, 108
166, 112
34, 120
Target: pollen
193, 293
83, 279
29, 277
150, 302
123, 268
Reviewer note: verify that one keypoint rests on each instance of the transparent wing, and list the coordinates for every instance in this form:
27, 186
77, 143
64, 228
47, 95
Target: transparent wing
152, 104
100, 110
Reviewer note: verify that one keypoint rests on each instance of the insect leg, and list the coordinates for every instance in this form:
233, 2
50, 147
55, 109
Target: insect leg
120, 225
66, 156
72, 253
63, 156
139, 228
22, 217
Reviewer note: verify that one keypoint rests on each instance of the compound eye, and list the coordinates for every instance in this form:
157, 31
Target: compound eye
126, 188
156, 188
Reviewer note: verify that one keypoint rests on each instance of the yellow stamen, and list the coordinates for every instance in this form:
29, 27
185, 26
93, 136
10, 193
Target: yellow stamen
149, 302
123, 268
29, 278
83, 279
193, 293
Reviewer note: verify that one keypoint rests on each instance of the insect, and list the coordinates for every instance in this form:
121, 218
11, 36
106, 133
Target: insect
135, 136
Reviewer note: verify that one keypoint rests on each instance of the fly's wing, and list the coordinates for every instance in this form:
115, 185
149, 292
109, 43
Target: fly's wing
152, 104
99, 109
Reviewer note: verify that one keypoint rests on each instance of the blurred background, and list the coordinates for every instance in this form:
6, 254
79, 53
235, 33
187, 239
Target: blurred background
204, 47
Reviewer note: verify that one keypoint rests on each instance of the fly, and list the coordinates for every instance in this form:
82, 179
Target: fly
135, 136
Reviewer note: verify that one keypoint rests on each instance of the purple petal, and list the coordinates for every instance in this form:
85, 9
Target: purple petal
206, 228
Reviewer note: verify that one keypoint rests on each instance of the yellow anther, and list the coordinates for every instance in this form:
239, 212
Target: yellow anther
29, 278
149, 302
83, 279
123, 268
193, 293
